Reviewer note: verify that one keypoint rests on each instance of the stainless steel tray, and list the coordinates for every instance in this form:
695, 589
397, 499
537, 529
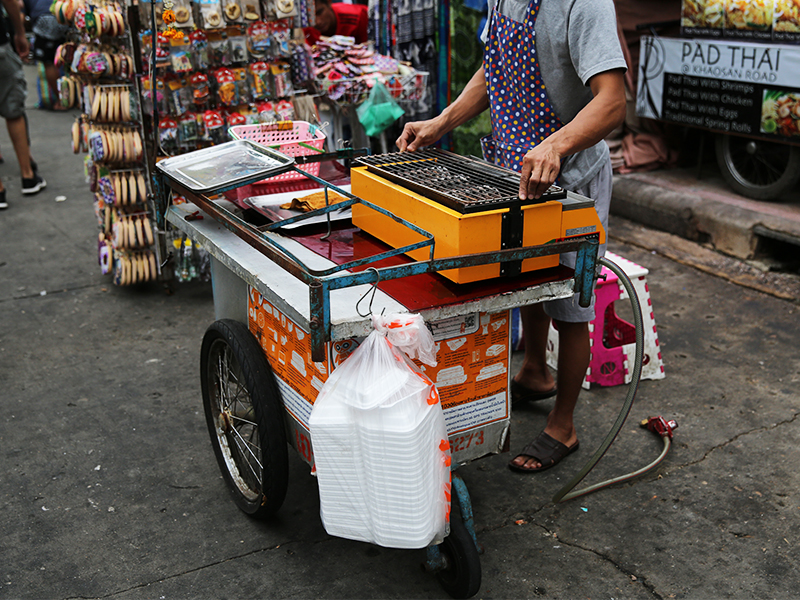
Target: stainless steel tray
211, 169
269, 206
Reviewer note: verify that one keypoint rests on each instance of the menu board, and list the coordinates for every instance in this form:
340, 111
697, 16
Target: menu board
733, 87
762, 20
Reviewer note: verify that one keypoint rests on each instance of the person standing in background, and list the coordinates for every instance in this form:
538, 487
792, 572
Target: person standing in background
48, 34
338, 18
13, 92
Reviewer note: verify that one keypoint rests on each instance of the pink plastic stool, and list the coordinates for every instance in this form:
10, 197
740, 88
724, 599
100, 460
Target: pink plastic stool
612, 339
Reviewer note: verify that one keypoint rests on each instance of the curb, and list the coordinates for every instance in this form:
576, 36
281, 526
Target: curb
698, 216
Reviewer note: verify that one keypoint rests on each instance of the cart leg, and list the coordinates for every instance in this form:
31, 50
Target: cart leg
465, 503
455, 561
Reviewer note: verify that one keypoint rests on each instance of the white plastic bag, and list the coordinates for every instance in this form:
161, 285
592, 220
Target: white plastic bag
380, 443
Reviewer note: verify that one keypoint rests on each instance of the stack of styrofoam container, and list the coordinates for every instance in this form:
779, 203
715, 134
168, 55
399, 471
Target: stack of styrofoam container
381, 468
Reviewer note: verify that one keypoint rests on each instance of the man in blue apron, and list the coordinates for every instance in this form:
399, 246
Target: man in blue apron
552, 77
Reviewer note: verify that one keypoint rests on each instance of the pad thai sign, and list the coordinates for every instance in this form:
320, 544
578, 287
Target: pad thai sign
735, 87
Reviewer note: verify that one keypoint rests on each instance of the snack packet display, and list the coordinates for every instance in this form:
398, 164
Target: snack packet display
199, 49
168, 134
199, 83
285, 110
282, 79
267, 112
187, 128
259, 80
219, 50
258, 39
183, 14
232, 11
227, 90
214, 126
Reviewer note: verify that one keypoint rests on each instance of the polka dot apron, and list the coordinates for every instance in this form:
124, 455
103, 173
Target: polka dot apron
522, 115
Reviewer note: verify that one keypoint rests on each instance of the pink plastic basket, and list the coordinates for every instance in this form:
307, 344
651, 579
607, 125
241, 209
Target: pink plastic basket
292, 138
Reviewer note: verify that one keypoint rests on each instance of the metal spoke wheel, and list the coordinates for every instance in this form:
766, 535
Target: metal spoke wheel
244, 414
461, 576
757, 169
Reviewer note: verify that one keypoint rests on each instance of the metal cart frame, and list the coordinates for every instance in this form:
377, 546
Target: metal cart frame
323, 301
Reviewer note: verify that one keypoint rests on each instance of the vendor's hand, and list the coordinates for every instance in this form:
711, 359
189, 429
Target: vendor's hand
418, 134
540, 167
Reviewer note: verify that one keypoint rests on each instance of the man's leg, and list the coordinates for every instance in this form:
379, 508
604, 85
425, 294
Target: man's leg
18, 132
534, 374
52, 73
573, 360
573, 339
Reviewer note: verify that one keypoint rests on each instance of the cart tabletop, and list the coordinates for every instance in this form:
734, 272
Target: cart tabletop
431, 295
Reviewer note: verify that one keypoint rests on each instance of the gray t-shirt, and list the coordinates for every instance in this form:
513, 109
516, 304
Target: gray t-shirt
575, 40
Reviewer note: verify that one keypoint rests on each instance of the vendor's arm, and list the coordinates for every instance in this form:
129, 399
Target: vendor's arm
21, 43
594, 122
472, 101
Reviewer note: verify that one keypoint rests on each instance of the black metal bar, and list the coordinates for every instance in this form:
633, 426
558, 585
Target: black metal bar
161, 192
658, 25
511, 229
320, 319
343, 154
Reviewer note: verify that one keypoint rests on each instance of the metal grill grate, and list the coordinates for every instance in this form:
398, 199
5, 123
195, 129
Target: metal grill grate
464, 184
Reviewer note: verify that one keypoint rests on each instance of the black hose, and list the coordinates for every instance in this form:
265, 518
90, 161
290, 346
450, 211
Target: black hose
565, 492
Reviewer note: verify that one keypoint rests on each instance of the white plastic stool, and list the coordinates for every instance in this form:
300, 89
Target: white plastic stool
611, 338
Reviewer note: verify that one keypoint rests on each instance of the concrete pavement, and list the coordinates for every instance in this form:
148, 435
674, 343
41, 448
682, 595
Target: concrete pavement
110, 488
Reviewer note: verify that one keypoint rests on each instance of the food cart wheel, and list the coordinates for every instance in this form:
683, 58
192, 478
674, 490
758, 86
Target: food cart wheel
755, 168
244, 415
461, 576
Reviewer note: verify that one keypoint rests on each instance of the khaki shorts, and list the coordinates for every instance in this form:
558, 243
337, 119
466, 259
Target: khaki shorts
568, 309
13, 87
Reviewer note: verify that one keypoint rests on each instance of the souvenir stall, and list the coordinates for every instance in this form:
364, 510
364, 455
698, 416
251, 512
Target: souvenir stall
362, 92
100, 66
159, 80
213, 66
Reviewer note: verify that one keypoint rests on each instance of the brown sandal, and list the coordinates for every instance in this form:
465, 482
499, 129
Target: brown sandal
547, 450
521, 393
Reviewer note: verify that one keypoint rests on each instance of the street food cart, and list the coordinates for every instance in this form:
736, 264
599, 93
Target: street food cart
293, 298
734, 71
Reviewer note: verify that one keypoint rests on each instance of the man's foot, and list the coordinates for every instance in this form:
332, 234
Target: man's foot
33, 185
3, 203
521, 393
544, 450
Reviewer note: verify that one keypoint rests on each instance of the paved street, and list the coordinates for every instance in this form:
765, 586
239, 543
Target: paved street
110, 488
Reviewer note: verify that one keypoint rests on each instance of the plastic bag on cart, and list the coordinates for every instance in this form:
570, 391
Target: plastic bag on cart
380, 443
379, 110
